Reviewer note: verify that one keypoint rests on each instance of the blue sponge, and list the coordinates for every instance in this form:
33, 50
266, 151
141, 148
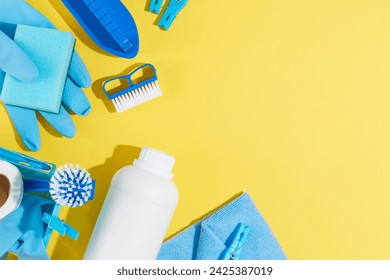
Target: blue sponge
51, 50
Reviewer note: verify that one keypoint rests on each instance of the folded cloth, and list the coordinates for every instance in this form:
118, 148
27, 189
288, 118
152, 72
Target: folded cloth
210, 238
22, 231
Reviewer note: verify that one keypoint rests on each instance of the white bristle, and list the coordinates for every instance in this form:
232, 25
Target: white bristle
137, 97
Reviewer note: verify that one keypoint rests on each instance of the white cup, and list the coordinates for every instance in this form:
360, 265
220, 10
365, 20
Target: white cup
11, 188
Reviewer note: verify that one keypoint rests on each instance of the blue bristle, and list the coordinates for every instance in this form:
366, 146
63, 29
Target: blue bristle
71, 186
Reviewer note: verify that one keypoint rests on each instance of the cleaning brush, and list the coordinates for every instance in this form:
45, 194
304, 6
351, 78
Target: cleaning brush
136, 93
71, 186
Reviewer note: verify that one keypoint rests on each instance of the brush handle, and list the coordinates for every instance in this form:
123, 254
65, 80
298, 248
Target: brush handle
139, 68
128, 77
36, 185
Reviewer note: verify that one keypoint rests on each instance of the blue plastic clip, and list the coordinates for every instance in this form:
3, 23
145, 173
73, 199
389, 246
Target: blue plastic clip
155, 6
233, 251
60, 226
174, 7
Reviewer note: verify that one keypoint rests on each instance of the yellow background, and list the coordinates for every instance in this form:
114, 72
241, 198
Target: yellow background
286, 100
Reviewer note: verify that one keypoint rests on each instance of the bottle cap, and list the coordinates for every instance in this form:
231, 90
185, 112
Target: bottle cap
156, 161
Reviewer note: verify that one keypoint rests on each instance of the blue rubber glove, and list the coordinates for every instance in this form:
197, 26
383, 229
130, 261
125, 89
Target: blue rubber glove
22, 231
16, 63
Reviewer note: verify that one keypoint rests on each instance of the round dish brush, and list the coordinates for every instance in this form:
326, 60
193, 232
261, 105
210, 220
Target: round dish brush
71, 186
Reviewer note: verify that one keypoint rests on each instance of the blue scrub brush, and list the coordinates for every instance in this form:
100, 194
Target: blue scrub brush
135, 93
71, 186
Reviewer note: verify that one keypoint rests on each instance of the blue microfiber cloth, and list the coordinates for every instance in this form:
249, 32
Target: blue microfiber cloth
209, 238
51, 50
22, 231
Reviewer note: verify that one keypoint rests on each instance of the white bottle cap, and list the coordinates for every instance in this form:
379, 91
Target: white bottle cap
156, 162
11, 188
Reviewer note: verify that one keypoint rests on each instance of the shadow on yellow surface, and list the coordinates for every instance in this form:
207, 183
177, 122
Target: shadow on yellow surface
147, 5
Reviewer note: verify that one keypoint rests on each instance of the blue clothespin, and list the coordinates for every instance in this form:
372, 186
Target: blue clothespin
60, 226
174, 7
155, 6
233, 251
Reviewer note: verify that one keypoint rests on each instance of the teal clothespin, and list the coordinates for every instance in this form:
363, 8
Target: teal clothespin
60, 226
233, 251
174, 7
155, 6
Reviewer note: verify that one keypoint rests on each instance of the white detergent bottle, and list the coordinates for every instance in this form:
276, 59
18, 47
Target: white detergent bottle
137, 210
